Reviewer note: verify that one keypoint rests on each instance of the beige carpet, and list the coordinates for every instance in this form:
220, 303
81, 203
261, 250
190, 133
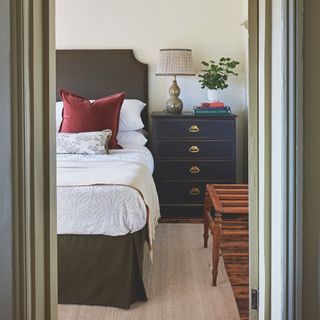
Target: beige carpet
178, 283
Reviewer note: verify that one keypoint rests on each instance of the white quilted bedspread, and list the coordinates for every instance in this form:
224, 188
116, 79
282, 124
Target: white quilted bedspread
103, 209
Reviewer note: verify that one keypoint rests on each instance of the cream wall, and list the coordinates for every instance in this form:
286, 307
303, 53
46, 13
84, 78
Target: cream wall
211, 28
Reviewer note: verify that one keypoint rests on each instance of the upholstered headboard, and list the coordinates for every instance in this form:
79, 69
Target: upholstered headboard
98, 73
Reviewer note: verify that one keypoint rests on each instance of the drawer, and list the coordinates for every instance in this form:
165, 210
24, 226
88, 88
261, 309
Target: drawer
194, 149
194, 129
191, 170
181, 192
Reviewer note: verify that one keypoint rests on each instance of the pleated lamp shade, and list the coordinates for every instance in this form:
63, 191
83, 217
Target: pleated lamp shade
175, 62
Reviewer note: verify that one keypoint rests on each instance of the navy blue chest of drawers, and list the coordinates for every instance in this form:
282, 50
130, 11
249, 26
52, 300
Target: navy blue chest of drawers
191, 151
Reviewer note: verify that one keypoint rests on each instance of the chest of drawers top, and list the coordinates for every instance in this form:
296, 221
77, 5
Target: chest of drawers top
186, 126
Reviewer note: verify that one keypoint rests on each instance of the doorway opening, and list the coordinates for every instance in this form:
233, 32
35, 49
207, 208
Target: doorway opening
225, 158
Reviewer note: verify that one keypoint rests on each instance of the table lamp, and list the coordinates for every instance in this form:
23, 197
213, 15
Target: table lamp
175, 62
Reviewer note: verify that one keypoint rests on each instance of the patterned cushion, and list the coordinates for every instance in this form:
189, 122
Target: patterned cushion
95, 142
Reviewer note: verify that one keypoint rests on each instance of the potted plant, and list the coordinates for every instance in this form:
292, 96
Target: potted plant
215, 76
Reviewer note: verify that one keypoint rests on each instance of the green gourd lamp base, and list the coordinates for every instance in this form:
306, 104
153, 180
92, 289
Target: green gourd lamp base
174, 104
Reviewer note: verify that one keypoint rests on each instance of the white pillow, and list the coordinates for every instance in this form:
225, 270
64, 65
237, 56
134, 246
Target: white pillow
95, 142
131, 137
130, 115
59, 108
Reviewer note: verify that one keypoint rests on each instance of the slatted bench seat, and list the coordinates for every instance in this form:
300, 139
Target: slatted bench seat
229, 229
224, 199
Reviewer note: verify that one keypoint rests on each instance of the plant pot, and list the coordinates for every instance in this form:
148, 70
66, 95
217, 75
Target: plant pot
212, 95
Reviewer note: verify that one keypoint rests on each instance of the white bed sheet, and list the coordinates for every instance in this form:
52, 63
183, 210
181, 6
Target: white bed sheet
112, 210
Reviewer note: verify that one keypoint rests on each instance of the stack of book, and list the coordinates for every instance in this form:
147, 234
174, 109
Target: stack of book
212, 108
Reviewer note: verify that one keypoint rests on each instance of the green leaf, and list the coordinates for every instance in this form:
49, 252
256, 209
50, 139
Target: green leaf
216, 74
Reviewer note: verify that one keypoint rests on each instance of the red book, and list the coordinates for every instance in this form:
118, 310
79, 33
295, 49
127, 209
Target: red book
212, 104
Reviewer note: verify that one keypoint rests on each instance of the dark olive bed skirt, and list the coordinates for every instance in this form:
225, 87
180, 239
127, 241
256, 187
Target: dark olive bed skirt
101, 270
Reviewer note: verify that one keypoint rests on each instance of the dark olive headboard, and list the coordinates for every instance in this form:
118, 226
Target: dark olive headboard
98, 73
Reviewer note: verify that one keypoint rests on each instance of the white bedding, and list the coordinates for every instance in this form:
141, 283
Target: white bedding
103, 209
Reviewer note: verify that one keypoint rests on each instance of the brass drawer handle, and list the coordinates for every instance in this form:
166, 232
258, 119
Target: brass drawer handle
194, 128
194, 149
195, 191
194, 169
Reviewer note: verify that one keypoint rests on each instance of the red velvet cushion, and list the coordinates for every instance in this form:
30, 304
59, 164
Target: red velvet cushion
81, 115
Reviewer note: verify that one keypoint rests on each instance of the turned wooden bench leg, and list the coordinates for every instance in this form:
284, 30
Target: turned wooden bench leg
205, 220
216, 233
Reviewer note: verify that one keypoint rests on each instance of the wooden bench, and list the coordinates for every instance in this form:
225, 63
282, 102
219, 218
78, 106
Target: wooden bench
230, 199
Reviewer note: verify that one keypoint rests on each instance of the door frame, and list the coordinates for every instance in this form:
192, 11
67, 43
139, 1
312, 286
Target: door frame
253, 148
33, 164
294, 219
279, 160
33, 168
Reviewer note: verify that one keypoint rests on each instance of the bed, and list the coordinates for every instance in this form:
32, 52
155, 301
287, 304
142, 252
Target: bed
103, 225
